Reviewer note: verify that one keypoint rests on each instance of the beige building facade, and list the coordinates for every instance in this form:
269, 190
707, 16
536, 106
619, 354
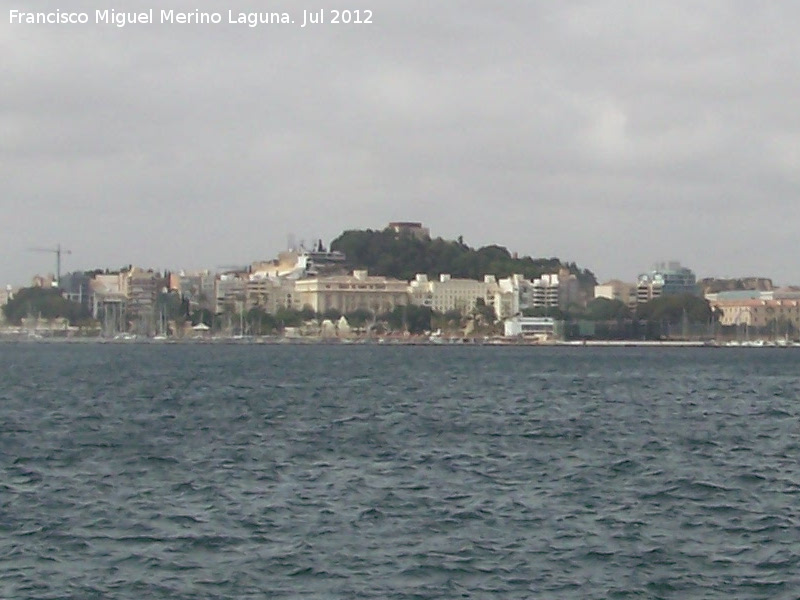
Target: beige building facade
759, 313
447, 294
617, 290
347, 293
270, 295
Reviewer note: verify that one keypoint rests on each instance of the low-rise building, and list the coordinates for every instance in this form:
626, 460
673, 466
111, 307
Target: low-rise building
780, 315
539, 328
347, 293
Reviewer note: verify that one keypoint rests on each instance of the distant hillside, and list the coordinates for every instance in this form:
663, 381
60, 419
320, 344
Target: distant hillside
403, 256
710, 285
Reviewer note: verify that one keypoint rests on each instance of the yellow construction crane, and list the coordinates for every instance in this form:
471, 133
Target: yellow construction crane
58, 251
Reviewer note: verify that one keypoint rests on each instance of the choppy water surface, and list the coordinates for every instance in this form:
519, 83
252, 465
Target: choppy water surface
398, 472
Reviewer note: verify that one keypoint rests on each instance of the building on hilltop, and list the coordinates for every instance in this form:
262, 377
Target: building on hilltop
299, 263
411, 228
666, 279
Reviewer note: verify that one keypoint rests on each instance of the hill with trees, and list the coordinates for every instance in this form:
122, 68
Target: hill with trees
402, 256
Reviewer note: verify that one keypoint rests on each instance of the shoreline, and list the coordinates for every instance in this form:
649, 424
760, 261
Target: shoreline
388, 341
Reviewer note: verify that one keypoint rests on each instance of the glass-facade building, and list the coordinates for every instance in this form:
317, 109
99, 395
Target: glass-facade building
666, 279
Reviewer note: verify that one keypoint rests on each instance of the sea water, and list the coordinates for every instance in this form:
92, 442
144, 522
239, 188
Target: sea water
205, 471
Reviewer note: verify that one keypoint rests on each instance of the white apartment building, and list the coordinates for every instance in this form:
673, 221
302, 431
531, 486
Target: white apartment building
508, 302
448, 294
555, 290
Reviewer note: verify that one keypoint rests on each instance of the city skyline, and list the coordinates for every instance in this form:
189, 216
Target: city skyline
60, 253
614, 135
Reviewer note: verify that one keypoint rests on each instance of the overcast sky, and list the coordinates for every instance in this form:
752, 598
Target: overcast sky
614, 134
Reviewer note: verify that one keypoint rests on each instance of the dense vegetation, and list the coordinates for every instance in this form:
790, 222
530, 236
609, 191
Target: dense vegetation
675, 309
43, 303
403, 256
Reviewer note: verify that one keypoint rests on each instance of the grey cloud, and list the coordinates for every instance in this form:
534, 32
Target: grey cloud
614, 134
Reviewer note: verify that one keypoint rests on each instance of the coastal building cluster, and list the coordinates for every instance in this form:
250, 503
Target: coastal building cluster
128, 300
135, 300
750, 308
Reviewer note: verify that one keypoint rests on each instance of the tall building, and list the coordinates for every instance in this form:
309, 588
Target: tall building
109, 299
555, 290
666, 279
144, 286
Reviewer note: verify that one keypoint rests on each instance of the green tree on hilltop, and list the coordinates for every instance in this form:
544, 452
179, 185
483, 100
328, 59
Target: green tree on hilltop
403, 256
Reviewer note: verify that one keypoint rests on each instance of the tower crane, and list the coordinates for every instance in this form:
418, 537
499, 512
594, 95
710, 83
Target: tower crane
58, 251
